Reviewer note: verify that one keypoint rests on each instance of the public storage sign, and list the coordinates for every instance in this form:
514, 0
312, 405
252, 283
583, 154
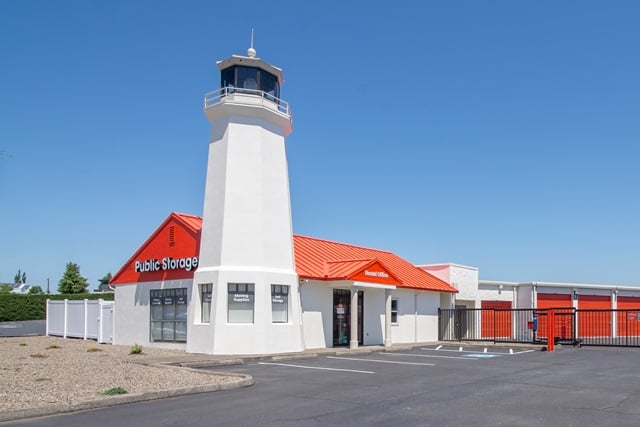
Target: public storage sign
170, 253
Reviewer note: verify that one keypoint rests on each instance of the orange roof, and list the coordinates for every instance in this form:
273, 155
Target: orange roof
313, 255
177, 237
315, 259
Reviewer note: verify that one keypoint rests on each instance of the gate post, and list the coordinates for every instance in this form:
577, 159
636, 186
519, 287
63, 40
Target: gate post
550, 330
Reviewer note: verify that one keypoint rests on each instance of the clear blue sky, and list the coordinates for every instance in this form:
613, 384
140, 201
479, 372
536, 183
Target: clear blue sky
497, 134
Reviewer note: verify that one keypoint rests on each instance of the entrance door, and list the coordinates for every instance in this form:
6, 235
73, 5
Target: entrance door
342, 317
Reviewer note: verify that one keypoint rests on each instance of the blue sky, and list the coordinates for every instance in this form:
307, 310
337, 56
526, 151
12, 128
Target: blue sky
497, 134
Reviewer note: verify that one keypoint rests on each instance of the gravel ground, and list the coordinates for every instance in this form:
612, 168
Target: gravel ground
41, 371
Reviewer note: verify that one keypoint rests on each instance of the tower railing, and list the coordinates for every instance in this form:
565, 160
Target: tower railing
245, 96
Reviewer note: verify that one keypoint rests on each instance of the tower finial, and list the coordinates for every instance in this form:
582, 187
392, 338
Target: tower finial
251, 52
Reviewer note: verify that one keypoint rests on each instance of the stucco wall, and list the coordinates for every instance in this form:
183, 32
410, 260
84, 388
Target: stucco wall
131, 313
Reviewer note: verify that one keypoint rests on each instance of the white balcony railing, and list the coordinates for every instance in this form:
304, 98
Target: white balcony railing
245, 96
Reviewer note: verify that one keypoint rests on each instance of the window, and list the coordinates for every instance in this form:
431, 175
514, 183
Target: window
280, 303
168, 315
394, 311
240, 307
205, 302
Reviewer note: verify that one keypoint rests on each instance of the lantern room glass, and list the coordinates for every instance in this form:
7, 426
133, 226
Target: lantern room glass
251, 78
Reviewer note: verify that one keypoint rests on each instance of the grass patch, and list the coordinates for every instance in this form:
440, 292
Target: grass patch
113, 391
53, 346
39, 380
23, 344
93, 349
135, 349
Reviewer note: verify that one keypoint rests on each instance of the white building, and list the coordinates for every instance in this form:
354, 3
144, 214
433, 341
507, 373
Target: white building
237, 281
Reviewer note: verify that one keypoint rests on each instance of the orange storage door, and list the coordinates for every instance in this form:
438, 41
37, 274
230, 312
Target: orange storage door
563, 318
496, 323
628, 316
594, 323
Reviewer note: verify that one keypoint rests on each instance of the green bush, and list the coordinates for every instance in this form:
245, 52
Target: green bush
136, 349
19, 307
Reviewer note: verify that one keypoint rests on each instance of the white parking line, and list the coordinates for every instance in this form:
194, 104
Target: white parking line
316, 367
426, 355
511, 352
380, 361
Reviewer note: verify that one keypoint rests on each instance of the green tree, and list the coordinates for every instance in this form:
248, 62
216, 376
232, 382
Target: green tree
5, 289
72, 282
104, 283
20, 277
35, 290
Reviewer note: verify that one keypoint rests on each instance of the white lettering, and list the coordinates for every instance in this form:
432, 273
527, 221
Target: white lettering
376, 274
167, 263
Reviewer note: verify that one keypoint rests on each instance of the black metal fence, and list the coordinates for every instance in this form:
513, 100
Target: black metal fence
620, 328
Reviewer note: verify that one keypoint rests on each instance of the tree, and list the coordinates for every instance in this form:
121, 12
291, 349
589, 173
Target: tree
104, 283
35, 290
5, 289
72, 282
20, 277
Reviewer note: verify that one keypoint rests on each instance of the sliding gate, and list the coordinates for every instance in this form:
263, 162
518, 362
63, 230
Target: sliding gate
619, 328
519, 325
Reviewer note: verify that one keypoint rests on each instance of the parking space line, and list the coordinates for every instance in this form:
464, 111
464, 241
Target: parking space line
426, 355
511, 352
380, 361
316, 367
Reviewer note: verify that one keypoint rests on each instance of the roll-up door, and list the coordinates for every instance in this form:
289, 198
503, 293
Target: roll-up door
496, 319
628, 316
563, 317
594, 316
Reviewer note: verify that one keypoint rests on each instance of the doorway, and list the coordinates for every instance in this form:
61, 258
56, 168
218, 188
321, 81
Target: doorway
342, 317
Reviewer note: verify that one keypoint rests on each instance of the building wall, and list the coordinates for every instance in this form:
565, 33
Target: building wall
417, 316
494, 293
317, 312
131, 313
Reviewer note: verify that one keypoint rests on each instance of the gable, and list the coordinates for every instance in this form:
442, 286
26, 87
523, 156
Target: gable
375, 272
171, 253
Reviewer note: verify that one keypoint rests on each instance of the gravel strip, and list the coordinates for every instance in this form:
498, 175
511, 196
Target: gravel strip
36, 372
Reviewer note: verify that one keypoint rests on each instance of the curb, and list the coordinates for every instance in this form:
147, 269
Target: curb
55, 409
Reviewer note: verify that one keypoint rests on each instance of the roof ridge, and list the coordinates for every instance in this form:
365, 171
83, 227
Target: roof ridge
351, 260
341, 243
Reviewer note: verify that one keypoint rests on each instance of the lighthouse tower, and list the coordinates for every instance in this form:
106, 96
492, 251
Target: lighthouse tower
245, 297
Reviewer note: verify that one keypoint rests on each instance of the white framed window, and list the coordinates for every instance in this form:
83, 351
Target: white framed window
206, 291
240, 302
394, 311
279, 303
168, 315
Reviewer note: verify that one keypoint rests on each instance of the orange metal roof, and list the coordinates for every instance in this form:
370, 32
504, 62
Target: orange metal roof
315, 259
312, 254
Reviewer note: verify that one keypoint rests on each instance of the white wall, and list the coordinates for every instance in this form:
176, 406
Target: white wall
131, 313
494, 293
317, 311
417, 316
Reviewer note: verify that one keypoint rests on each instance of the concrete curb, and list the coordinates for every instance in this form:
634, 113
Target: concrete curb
55, 409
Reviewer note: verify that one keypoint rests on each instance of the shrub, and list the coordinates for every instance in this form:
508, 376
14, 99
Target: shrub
136, 349
18, 307
113, 391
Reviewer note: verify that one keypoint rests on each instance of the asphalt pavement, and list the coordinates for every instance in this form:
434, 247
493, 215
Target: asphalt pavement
26, 328
426, 386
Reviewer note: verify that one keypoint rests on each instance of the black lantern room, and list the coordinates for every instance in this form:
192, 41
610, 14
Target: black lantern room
250, 74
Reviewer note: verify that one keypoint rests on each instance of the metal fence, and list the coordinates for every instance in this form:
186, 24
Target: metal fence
619, 328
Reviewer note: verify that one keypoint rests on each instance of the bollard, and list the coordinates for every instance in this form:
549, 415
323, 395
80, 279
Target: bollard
550, 330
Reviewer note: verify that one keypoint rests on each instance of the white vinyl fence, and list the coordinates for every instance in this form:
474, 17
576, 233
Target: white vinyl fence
87, 319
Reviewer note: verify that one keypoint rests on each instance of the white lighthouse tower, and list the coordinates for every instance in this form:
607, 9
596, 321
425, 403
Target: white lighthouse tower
245, 297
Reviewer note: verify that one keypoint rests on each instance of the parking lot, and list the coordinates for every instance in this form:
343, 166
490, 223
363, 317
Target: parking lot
430, 385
